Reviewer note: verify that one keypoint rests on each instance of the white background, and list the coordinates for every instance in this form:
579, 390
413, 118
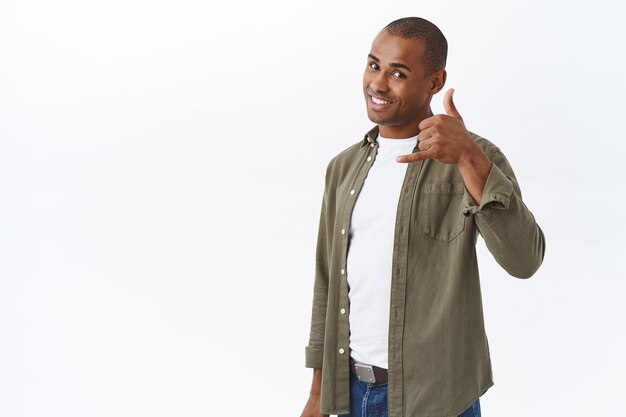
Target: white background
161, 173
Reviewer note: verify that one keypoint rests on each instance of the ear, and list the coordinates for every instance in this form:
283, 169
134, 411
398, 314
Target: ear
438, 81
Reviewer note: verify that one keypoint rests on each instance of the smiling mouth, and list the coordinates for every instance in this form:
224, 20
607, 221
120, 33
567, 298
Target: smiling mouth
379, 101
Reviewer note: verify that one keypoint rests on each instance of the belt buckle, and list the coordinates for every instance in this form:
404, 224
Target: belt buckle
364, 372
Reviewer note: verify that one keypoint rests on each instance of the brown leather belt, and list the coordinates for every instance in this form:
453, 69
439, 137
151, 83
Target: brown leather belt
368, 373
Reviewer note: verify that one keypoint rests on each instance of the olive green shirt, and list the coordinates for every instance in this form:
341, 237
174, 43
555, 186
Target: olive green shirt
439, 361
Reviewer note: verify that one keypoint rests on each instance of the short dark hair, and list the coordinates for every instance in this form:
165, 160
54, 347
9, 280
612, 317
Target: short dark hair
436, 44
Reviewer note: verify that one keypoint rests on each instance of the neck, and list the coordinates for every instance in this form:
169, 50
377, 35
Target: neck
406, 131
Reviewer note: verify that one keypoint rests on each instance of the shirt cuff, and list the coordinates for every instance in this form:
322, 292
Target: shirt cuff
496, 194
313, 357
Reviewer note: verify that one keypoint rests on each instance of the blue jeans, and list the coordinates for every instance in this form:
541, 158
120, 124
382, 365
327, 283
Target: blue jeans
370, 400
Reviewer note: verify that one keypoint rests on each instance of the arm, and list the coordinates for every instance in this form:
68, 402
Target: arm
474, 168
508, 227
314, 351
312, 407
510, 231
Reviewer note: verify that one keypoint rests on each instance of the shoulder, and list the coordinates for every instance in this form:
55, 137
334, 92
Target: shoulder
495, 154
343, 161
489, 147
347, 156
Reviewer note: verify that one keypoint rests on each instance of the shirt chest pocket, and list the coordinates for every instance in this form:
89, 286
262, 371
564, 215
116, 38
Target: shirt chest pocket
442, 211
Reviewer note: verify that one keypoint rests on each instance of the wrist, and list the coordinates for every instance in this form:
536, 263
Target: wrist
474, 157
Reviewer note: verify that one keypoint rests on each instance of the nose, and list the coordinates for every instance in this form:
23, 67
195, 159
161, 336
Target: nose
379, 82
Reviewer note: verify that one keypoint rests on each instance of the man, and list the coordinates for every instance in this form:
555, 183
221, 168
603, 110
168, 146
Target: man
397, 324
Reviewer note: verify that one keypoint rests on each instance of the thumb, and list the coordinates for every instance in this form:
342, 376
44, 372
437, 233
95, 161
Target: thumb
448, 104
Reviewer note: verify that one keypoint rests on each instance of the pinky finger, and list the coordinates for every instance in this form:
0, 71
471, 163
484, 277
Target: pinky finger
413, 157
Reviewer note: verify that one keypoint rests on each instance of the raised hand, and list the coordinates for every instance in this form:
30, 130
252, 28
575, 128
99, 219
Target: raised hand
443, 137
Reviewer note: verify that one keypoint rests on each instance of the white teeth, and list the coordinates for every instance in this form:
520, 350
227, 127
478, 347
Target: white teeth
379, 101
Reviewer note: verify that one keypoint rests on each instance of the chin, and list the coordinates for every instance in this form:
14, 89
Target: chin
374, 117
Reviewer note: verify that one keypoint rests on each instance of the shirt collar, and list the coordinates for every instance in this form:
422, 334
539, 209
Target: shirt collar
370, 137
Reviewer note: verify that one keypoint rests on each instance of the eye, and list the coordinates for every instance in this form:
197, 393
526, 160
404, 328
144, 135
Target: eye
398, 74
373, 65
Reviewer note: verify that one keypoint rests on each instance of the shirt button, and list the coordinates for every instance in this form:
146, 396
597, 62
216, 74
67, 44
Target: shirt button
372, 145
352, 192
341, 351
342, 311
343, 271
369, 158
343, 231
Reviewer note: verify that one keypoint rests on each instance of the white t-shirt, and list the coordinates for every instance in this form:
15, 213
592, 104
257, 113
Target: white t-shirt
370, 252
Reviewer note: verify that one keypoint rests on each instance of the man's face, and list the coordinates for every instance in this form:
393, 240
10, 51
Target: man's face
396, 87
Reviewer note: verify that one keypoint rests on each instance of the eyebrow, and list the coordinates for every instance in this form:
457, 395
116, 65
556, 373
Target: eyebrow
393, 64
